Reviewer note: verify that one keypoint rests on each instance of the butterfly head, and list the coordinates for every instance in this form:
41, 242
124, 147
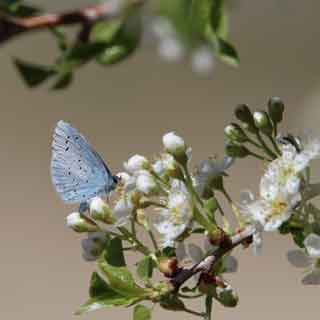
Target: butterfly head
114, 182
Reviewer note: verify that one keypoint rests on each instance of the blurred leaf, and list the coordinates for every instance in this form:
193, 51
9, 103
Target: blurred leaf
64, 80
113, 55
141, 313
145, 268
120, 279
84, 52
105, 31
218, 18
114, 253
60, 35
17, 8
33, 74
228, 53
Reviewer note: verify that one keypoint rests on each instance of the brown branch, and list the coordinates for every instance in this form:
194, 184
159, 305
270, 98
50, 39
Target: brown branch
11, 26
208, 263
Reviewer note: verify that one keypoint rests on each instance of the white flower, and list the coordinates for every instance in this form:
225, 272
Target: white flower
171, 49
80, 223
162, 28
309, 260
202, 60
269, 213
136, 163
93, 245
174, 144
122, 210
99, 210
172, 221
208, 170
146, 183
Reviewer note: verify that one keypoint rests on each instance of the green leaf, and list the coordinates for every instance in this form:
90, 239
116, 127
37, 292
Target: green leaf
102, 296
64, 80
82, 53
59, 34
99, 287
141, 313
145, 268
228, 53
218, 18
121, 280
33, 74
113, 55
104, 302
114, 253
105, 31
199, 15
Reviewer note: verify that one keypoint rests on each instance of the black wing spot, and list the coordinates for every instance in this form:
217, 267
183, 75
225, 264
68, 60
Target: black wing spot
69, 173
67, 148
87, 181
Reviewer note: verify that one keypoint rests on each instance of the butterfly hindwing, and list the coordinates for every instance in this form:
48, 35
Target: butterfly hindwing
77, 171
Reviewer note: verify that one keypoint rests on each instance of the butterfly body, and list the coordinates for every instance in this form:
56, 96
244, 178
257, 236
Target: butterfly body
78, 172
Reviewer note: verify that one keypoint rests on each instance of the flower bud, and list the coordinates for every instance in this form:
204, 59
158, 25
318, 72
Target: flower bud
227, 296
80, 223
141, 218
146, 184
235, 133
175, 146
100, 211
276, 109
235, 150
168, 266
137, 163
244, 114
263, 122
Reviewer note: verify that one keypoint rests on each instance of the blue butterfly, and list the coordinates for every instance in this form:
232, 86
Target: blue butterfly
78, 172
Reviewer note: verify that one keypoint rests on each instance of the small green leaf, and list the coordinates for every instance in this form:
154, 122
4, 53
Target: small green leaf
98, 286
104, 302
33, 74
228, 53
121, 280
114, 253
82, 53
102, 296
141, 313
105, 31
145, 268
113, 55
64, 80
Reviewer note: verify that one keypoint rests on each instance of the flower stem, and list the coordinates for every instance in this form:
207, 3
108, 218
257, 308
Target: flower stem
265, 146
130, 237
153, 240
274, 144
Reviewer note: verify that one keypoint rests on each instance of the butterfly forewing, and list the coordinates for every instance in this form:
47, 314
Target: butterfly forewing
77, 171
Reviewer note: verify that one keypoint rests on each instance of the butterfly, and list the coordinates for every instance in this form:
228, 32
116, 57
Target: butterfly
78, 172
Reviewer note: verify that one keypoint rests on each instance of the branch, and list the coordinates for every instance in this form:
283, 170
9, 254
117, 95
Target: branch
208, 263
12, 26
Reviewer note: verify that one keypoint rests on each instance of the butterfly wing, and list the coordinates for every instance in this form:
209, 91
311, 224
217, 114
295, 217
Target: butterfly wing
78, 172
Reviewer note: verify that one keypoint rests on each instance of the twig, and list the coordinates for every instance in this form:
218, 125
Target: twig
11, 26
207, 263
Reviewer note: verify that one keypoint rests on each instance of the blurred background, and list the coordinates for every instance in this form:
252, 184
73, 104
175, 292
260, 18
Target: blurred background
125, 110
